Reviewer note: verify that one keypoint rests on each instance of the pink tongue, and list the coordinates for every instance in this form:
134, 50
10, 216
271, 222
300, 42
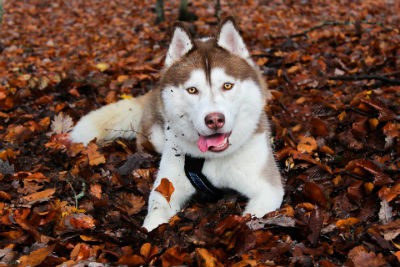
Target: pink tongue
207, 141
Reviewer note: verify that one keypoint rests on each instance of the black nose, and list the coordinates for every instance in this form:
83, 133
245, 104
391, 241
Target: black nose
215, 120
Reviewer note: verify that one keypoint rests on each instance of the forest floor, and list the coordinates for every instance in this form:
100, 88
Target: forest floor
333, 68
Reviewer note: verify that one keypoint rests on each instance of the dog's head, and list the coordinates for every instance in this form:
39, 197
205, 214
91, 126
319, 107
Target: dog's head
212, 92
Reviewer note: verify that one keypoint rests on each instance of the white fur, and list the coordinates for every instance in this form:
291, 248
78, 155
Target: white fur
120, 119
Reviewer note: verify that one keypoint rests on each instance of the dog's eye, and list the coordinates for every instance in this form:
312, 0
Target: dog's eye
192, 90
227, 86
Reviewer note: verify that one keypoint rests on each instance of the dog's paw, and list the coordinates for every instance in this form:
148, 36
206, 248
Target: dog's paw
264, 203
155, 218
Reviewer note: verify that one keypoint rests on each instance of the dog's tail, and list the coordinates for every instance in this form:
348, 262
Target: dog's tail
120, 119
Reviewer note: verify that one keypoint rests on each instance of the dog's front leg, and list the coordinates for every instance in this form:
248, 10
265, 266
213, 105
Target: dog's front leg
160, 210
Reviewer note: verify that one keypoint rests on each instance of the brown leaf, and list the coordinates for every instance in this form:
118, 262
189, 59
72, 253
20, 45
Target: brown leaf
95, 157
5, 195
307, 144
389, 193
36, 257
166, 188
131, 203
390, 230
148, 251
80, 252
385, 114
346, 223
315, 225
206, 259
392, 129
362, 258
80, 221
314, 192
229, 223
175, 256
129, 258
319, 128
380, 178
95, 190
41, 196
37, 177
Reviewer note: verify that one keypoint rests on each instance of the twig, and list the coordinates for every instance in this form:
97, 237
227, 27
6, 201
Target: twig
330, 23
77, 197
382, 78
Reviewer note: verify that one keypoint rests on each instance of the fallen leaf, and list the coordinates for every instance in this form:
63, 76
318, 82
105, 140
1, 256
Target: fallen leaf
307, 144
41, 196
389, 193
362, 258
80, 221
36, 257
175, 256
95, 157
130, 203
205, 259
385, 213
95, 190
61, 124
346, 223
278, 220
166, 188
314, 192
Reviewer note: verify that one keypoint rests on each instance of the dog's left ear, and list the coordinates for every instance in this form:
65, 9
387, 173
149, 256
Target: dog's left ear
181, 44
229, 38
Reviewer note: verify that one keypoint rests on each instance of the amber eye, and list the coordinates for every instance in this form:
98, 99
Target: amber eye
227, 86
192, 90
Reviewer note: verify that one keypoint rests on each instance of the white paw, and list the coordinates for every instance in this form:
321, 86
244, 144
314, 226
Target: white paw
263, 204
155, 218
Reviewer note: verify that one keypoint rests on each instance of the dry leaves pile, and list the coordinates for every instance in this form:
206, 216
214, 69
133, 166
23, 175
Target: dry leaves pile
334, 72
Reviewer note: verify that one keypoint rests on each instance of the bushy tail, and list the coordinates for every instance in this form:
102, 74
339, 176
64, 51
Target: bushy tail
120, 119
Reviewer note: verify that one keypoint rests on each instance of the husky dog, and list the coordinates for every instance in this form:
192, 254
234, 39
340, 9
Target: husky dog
206, 119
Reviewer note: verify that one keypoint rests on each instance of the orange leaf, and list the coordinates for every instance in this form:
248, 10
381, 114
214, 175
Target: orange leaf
5, 195
315, 193
95, 190
148, 251
389, 193
362, 258
39, 196
81, 221
36, 257
37, 177
95, 157
206, 259
345, 223
174, 256
80, 252
130, 203
397, 255
166, 188
307, 144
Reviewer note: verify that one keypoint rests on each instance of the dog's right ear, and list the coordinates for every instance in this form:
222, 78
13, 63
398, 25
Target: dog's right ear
181, 44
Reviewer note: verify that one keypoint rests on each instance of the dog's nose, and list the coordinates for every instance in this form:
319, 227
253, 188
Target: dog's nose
215, 120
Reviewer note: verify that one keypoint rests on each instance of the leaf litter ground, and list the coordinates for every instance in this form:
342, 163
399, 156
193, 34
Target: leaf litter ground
333, 69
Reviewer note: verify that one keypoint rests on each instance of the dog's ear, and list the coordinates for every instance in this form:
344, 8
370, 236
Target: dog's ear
229, 38
181, 44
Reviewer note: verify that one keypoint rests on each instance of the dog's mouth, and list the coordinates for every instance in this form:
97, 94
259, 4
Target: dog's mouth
215, 143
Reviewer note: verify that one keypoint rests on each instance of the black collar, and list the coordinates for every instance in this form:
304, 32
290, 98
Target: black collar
193, 171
